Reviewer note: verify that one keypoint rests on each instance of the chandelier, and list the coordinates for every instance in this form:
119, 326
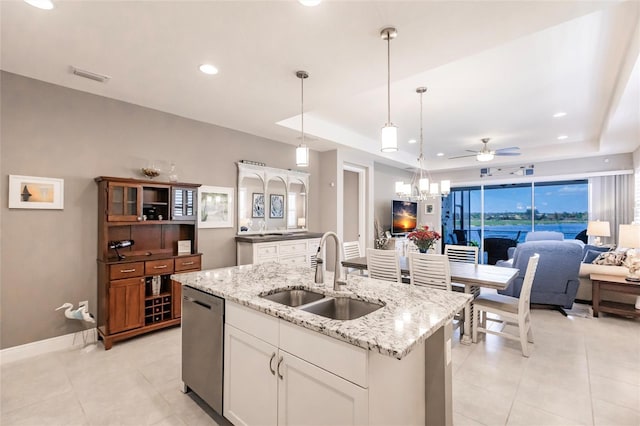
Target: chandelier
421, 186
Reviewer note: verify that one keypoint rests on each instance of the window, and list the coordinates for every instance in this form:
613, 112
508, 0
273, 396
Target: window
507, 212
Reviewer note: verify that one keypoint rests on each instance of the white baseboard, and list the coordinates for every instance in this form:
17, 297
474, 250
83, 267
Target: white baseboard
28, 350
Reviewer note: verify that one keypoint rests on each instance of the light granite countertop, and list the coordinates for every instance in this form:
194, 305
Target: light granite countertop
409, 316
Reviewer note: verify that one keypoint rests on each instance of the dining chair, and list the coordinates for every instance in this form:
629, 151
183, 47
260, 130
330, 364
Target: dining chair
465, 254
433, 270
383, 264
511, 310
352, 251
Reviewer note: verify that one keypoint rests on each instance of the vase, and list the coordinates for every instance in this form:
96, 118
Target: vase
422, 250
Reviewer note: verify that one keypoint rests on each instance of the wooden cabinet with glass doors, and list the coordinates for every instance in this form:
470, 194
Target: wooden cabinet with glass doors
139, 225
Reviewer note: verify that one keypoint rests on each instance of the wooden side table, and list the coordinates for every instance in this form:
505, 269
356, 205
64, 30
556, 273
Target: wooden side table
619, 285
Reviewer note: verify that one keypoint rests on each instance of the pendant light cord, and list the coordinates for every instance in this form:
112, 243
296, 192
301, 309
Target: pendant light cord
302, 107
388, 78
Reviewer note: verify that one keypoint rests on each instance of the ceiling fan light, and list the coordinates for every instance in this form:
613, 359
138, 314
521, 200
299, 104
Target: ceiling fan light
484, 156
302, 156
389, 136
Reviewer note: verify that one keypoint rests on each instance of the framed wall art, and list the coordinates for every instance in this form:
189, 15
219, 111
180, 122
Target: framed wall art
31, 192
429, 209
276, 207
257, 206
215, 209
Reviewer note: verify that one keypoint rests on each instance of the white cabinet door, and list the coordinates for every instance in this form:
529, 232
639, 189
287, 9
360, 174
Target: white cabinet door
310, 395
250, 381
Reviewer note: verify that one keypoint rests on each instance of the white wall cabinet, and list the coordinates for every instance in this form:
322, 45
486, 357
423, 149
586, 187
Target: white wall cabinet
265, 385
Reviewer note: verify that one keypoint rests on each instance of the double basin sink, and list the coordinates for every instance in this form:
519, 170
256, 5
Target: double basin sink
339, 308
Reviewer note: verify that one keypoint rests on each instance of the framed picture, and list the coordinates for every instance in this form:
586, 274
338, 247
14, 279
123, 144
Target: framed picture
257, 207
429, 209
30, 192
215, 209
276, 210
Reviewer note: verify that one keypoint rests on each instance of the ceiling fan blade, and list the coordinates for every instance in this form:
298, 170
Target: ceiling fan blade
462, 156
470, 150
507, 153
512, 149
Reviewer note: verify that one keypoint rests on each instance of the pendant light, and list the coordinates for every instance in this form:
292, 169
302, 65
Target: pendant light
389, 132
302, 151
421, 179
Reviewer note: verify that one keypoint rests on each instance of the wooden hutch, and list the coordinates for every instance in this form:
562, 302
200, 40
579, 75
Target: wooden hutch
135, 293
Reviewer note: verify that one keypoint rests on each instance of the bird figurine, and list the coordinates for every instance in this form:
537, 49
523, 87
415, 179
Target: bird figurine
82, 313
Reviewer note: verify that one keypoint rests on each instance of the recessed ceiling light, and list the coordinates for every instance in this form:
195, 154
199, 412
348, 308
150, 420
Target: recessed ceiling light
41, 4
440, 154
412, 141
559, 114
208, 69
309, 3
562, 137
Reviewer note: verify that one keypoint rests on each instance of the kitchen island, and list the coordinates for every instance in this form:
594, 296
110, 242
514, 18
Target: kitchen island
283, 365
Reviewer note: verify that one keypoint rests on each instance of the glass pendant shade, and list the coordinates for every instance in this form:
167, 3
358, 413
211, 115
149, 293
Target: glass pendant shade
302, 156
399, 185
434, 189
389, 138
423, 184
445, 186
406, 189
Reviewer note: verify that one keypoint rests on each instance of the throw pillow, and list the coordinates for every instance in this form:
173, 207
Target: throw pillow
612, 258
591, 255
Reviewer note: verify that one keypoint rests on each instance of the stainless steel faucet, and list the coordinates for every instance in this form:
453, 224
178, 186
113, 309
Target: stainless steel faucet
337, 275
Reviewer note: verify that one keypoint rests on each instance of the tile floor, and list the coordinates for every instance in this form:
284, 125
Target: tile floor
583, 371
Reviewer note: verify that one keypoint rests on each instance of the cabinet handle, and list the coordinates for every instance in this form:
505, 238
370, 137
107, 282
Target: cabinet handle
273, 355
127, 270
187, 263
280, 362
160, 267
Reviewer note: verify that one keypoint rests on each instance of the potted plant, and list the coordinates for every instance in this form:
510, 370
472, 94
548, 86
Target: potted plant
423, 238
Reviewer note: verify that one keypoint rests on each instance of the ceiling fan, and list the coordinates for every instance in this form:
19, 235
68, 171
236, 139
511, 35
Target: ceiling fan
485, 154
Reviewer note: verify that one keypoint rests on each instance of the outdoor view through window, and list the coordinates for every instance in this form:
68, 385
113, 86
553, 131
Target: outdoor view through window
510, 211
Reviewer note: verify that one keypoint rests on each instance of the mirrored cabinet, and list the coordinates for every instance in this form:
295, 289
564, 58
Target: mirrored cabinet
271, 200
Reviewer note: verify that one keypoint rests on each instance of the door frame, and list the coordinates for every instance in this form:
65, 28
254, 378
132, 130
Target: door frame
362, 207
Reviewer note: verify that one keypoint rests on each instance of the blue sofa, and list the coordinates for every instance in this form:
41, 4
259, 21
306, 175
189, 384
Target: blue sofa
556, 281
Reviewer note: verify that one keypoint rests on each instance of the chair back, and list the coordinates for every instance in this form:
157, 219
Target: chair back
465, 254
525, 294
430, 270
351, 250
383, 265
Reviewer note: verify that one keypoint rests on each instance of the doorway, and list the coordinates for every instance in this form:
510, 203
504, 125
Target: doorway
353, 215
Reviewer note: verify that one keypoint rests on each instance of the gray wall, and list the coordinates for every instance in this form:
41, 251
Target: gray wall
350, 206
49, 257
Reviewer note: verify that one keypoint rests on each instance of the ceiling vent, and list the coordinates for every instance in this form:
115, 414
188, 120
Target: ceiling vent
90, 75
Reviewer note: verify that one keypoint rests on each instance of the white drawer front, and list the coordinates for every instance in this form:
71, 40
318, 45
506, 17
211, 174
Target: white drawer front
266, 259
313, 245
266, 250
345, 360
293, 248
294, 260
250, 321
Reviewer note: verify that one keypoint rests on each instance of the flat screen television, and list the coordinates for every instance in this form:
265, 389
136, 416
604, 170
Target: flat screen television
404, 217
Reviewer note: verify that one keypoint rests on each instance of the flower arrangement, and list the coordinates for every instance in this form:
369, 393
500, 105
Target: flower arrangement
423, 238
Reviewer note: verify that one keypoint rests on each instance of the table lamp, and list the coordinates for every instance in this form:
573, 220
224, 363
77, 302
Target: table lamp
596, 228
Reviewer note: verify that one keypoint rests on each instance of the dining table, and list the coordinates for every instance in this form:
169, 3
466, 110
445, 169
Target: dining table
471, 276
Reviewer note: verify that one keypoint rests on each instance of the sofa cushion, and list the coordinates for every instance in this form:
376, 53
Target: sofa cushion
611, 258
591, 255
544, 236
600, 249
586, 269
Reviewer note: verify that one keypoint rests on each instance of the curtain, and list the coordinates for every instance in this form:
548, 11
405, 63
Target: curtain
612, 199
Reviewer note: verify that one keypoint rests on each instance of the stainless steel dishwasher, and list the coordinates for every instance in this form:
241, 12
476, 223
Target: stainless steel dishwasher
202, 345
